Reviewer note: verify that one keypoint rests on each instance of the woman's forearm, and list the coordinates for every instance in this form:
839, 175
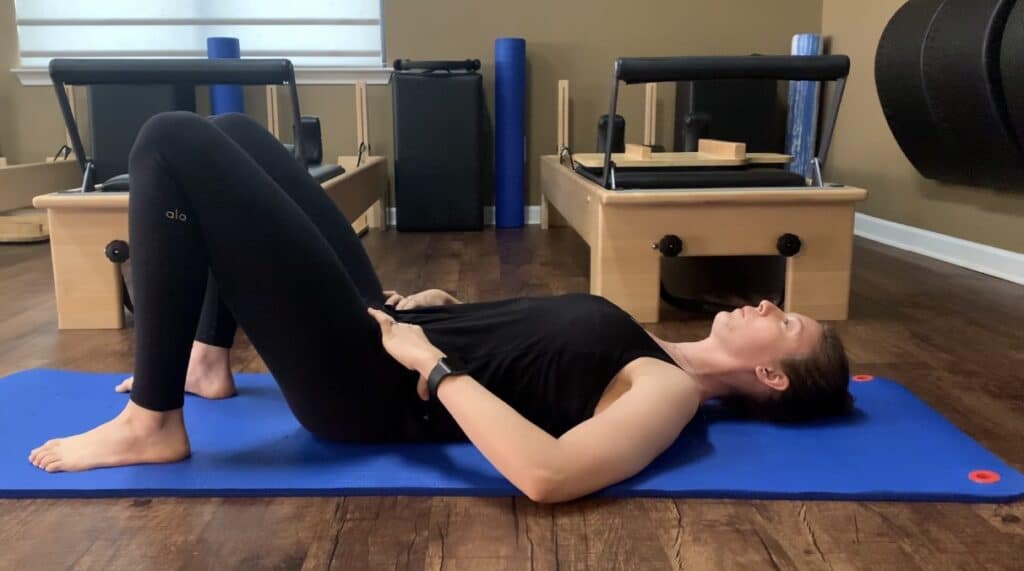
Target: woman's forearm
520, 450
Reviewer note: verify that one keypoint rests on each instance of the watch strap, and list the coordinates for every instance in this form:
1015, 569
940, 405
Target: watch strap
445, 367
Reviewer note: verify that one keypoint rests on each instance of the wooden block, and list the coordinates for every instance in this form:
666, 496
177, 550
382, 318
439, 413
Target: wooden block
724, 149
638, 151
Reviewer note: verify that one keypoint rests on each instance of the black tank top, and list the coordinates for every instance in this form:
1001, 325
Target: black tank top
549, 358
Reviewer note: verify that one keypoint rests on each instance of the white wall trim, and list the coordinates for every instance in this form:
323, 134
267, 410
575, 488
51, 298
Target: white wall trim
996, 262
31, 76
532, 214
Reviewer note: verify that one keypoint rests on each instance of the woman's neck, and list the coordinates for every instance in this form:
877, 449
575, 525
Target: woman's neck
702, 361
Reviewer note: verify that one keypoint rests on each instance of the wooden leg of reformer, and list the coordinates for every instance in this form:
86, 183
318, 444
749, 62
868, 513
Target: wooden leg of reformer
549, 215
375, 216
87, 284
818, 278
626, 271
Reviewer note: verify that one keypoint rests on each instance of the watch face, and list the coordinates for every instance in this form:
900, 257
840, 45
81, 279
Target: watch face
453, 363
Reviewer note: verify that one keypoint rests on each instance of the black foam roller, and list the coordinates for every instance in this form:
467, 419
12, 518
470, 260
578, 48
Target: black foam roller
1012, 67
961, 71
901, 90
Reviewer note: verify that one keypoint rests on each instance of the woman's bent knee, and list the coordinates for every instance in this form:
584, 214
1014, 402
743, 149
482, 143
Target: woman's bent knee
167, 130
233, 120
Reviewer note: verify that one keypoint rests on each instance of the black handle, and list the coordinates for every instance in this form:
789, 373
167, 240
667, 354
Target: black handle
797, 68
437, 65
788, 245
163, 71
670, 245
117, 251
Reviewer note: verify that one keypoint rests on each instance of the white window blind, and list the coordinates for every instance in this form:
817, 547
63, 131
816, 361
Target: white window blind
329, 41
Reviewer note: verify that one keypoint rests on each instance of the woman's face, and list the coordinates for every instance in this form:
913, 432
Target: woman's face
764, 335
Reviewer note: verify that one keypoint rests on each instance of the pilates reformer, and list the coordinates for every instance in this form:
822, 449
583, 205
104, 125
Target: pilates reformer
89, 225
633, 207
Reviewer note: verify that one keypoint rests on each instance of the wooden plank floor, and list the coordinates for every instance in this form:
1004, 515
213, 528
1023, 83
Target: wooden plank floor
952, 336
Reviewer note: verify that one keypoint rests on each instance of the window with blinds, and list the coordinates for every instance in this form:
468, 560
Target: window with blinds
329, 41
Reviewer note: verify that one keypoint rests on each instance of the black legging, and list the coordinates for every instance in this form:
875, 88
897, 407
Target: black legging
225, 225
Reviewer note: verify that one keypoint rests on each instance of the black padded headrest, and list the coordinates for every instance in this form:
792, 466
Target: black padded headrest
116, 183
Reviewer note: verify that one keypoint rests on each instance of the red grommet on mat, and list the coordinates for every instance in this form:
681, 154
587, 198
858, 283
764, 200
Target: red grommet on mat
983, 477
863, 378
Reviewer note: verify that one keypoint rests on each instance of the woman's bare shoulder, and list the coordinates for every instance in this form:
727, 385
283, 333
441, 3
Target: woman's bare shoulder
653, 375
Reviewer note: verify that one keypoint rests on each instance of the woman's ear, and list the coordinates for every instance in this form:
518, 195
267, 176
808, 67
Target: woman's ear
772, 378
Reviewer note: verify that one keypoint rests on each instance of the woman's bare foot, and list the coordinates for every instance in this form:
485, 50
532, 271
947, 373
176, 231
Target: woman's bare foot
136, 436
209, 373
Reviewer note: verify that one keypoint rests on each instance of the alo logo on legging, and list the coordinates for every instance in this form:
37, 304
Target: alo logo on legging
175, 215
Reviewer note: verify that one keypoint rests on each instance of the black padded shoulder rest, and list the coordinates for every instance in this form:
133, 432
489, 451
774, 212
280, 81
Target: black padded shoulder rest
320, 173
166, 71
655, 69
626, 179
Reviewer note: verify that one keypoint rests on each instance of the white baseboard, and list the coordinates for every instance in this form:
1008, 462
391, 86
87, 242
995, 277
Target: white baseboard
532, 214
995, 262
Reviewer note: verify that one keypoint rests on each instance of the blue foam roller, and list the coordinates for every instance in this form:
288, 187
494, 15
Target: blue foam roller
802, 125
225, 98
894, 448
509, 139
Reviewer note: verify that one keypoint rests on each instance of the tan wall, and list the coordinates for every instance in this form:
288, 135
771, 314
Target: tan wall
570, 39
866, 154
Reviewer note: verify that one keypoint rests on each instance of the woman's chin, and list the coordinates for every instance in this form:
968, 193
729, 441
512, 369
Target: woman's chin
720, 318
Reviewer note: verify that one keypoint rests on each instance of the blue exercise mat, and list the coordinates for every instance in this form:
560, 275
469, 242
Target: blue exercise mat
894, 448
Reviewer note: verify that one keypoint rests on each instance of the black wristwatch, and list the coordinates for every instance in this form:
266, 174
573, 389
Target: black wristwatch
445, 367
